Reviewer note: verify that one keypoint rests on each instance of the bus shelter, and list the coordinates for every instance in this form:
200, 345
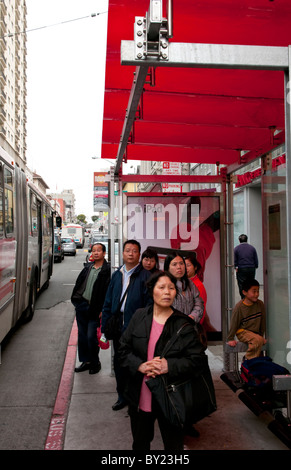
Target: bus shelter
206, 83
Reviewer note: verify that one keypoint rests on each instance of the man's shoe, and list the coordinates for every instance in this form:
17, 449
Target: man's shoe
119, 405
94, 369
83, 366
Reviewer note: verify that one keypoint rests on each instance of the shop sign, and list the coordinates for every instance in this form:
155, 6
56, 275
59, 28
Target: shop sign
249, 176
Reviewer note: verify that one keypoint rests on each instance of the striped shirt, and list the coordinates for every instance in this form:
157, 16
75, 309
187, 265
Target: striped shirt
248, 317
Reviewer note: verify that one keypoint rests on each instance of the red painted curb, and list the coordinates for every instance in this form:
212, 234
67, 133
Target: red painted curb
56, 433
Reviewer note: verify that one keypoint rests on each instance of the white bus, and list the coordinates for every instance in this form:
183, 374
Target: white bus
75, 231
26, 244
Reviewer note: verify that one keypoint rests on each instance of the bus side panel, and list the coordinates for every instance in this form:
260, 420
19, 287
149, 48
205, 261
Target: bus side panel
21, 298
46, 246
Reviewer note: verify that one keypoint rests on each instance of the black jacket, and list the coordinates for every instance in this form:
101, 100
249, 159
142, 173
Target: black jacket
99, 289
185, 358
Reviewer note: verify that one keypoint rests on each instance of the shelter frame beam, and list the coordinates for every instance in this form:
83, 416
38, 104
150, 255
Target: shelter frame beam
222, 56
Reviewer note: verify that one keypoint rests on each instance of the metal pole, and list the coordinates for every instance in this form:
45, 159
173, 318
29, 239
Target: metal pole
170, 18
288, 176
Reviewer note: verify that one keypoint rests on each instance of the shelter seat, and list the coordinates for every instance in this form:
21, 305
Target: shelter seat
231, 354
266, 404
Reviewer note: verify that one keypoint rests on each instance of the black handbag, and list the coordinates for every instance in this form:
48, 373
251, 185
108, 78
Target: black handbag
187, 401
112, 328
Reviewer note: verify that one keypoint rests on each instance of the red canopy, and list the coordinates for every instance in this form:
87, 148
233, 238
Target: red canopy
199, 114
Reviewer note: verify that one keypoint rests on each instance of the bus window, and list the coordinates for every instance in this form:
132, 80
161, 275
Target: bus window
33, 211
8, 177
9, 227
9, 222
46, 220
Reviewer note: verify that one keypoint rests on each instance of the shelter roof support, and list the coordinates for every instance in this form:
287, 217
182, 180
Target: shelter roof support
212, 56
136, 91
288, 174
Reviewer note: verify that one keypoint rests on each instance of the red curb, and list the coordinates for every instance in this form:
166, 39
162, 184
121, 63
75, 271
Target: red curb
56, 433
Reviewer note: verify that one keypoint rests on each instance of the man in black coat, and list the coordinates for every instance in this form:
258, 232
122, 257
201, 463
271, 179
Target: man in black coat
88, 297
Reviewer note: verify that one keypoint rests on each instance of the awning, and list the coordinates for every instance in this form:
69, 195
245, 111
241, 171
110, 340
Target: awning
199, 114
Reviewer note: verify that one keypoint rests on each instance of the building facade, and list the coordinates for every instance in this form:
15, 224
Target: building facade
13, 79
68, 196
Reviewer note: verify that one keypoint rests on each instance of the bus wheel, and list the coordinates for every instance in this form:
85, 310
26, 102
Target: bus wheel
28, 314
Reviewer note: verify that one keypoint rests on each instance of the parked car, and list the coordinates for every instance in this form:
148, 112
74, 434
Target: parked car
58, 249
69, 246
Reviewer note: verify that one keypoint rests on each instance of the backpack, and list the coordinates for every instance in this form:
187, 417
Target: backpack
258, 372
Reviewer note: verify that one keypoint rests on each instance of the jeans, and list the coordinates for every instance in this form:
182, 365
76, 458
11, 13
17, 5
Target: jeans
88, 346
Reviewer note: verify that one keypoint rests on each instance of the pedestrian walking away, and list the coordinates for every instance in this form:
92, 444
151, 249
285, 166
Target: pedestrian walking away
245, 262
87, 297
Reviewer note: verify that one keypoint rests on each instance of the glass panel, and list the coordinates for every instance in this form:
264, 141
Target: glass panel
275, 247
9, 211
238, 215
7, 177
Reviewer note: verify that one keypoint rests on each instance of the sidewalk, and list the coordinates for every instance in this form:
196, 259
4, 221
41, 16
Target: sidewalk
84, 420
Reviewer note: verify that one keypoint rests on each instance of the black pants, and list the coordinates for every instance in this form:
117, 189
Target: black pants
88, 346
119, 372
142, 428
242, 275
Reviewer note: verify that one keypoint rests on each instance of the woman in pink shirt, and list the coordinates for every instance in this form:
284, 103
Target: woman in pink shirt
141, 346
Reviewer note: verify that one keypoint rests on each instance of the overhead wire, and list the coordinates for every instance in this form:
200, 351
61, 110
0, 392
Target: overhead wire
9, 35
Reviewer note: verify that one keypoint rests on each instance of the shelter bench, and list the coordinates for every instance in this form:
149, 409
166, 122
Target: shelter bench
265, 406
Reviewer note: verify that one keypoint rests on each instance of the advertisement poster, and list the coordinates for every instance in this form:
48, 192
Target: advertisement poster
185, 224
100, 192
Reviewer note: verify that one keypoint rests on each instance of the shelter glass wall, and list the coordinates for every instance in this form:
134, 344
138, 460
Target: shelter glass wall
276, 268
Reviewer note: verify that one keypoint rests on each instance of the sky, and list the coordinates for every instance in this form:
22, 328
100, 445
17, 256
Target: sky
66, 51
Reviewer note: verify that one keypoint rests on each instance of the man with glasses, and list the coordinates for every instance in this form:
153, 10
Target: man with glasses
126, 293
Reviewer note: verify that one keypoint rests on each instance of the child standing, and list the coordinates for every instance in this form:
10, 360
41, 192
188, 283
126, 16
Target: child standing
248, 321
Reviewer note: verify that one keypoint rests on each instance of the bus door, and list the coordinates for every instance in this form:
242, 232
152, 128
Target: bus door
7, 248
39, 241
46, 244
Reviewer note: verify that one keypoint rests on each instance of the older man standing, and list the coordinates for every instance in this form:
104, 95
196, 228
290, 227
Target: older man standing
245, 261
126, 293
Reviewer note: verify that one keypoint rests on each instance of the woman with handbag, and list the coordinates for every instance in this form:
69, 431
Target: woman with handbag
189, 301
141, 348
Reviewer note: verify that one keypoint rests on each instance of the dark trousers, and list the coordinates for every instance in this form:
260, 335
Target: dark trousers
119, 372
88, 346
242, 275
142, 428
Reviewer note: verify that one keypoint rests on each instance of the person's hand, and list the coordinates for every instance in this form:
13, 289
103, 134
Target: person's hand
232, 343
157, 366
144, 368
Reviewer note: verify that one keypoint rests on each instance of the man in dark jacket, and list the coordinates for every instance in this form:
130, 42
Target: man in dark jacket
245, 262
126, 293
88, 297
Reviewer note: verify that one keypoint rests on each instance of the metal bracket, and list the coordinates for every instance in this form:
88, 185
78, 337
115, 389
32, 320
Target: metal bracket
147, 41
